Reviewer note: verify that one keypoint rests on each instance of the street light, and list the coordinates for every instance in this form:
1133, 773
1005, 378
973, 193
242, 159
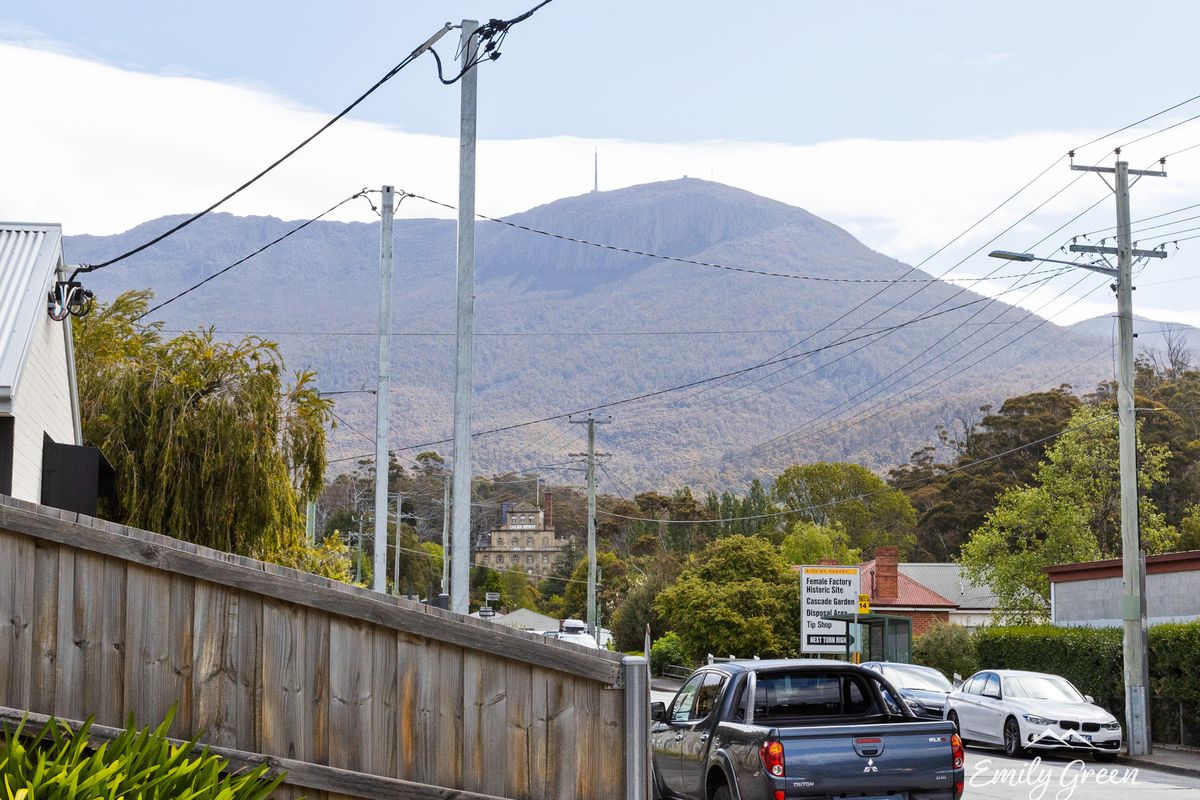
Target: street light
1009, 255
1135, 655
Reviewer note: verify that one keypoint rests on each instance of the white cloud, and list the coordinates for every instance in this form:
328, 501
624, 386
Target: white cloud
101, 149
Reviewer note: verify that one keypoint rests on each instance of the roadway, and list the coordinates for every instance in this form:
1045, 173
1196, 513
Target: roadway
993, 776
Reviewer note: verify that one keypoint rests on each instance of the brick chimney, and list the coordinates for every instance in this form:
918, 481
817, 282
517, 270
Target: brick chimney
548, 517
886, 581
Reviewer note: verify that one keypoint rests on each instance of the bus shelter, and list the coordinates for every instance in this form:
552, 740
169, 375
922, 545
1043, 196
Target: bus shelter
877, 637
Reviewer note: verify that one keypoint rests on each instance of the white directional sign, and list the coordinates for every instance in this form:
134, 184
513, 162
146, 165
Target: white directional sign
491, 597
825, 591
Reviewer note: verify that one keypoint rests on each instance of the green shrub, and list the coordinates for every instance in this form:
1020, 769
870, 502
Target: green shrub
948, 648
57, 762
667, 649
1090, 658
1174, 667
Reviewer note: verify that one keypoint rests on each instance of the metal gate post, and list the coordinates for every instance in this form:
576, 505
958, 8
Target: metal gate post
635, 671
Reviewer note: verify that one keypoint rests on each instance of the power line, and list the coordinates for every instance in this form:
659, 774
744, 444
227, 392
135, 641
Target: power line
691, 261
427, 45
490, 36
246, 258
688, 385
864, 495
447, 334
1139, 122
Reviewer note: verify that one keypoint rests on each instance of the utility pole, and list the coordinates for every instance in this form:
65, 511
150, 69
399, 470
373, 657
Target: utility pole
396, 549
358, 574
1133, 596
591, 517
460, 578
445, 534
383, 391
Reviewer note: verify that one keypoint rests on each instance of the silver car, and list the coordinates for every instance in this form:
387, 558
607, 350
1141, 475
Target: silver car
1024, 711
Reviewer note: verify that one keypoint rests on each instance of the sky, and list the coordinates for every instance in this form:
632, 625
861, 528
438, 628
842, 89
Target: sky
903, 123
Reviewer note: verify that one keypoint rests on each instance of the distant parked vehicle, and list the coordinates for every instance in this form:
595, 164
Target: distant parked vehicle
924, 689
1026, 711
573, 630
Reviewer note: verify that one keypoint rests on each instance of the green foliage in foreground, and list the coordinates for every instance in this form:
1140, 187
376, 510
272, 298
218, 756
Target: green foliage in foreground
57, 763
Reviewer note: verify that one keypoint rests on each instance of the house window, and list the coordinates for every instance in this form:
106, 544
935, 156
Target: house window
529, 541
499, 541
529, 559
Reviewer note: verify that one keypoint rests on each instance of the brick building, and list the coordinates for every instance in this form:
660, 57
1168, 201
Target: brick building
896, 594
525, 539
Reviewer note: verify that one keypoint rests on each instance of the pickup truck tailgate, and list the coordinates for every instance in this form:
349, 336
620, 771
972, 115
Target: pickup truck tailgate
910, 759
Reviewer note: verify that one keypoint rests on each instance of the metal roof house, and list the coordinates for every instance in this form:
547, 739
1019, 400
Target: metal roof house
41, 455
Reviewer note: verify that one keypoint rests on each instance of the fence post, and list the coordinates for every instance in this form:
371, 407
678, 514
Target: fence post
636, 672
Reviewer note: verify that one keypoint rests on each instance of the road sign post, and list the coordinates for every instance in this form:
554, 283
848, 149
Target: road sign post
824, 592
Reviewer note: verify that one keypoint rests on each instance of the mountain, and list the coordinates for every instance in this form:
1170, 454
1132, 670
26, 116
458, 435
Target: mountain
1152, 335
564, 326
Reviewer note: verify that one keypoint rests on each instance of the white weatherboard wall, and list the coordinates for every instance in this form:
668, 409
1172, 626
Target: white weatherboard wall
42, 404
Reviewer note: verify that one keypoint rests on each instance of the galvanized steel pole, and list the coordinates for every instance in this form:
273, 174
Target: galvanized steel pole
445, 534
591, 528
383, 391
460, 572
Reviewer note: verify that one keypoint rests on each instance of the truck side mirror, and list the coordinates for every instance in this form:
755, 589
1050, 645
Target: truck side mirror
658, 711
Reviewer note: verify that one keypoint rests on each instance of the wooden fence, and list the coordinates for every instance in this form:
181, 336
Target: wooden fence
356, 694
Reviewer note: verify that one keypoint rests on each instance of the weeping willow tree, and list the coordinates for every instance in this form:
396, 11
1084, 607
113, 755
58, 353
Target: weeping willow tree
208, 443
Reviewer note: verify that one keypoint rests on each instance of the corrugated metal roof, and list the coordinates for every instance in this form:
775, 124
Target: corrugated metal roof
30, 255
951, 582
909, 591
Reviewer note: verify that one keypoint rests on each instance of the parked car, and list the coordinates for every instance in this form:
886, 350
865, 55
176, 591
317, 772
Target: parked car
924, 689
1026, 711
572, 630
761, 730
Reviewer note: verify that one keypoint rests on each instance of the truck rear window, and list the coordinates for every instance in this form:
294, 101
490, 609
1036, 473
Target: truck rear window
807, 694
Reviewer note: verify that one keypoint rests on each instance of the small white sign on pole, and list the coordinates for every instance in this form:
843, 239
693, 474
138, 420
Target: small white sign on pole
825, 591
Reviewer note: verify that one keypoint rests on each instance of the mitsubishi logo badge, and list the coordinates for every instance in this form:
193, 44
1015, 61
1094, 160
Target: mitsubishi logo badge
870, 767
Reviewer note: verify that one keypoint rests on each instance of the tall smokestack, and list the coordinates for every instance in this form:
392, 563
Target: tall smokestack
549, 515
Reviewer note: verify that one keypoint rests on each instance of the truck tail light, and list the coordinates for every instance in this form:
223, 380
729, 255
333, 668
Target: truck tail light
959, 756
771, 753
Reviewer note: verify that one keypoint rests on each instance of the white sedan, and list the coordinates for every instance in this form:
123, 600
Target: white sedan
1031, 710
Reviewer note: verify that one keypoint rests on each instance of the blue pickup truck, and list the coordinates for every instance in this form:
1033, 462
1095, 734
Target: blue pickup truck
777, 730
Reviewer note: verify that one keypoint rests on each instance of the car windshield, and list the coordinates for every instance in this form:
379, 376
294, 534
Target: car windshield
912, 678
1041, 687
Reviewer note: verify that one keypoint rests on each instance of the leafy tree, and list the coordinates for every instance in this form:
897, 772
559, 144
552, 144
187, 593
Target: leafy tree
950, 502
1189, 530
737, 596
208, 442
614, 582
516, 590
637, 609
871, 513
948, 648
810, 543
1070, 513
